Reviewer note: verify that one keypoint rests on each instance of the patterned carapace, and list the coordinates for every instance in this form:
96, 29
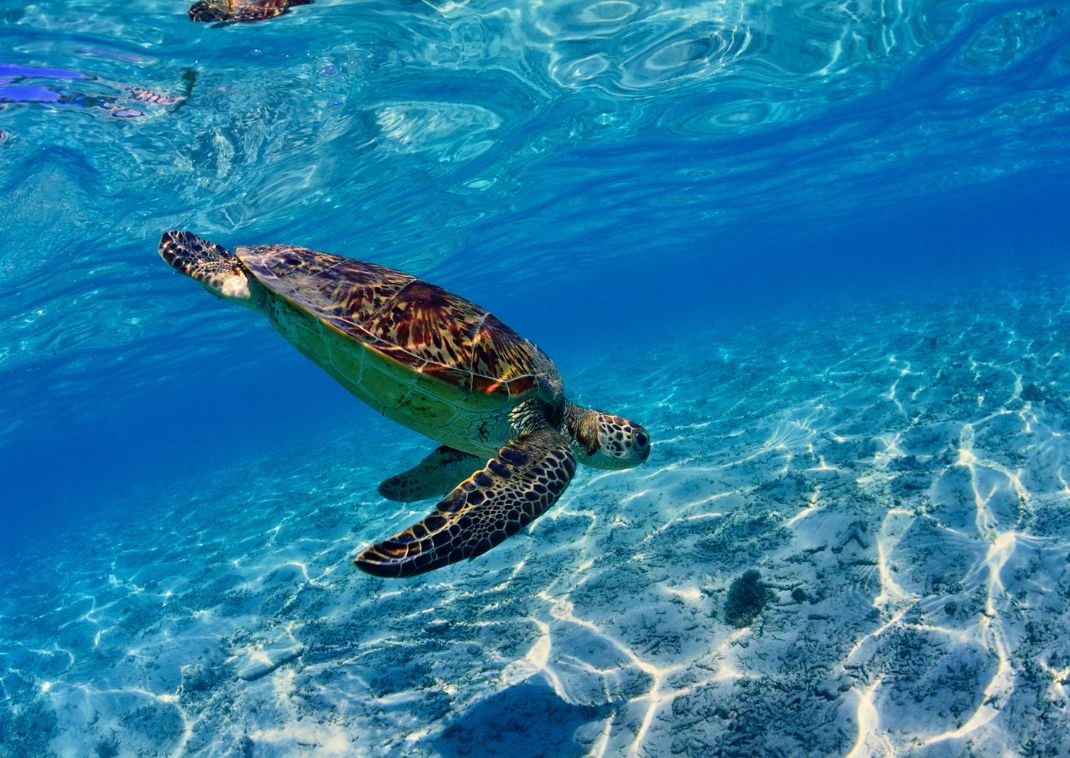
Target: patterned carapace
415, 323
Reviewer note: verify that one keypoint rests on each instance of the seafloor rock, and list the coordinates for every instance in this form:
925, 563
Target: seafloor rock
747, 596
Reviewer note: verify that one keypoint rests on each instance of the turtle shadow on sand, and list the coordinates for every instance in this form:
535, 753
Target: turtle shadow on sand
527, 719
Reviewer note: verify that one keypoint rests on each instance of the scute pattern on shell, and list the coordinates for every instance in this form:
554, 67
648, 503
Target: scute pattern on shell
329, 286
407, 319
500, 356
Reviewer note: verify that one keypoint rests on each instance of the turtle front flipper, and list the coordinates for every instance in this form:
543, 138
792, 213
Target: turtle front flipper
516, 487
432, 477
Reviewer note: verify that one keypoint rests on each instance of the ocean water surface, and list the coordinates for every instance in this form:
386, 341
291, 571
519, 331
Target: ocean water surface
818, 249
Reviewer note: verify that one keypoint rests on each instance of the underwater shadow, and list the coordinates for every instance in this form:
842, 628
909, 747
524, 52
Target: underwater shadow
527, 719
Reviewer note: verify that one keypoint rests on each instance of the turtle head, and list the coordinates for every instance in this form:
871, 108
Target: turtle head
215, 267
606, 441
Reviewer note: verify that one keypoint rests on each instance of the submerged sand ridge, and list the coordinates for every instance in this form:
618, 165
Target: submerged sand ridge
898, 474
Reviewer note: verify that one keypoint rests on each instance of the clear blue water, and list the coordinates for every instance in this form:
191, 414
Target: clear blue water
818, 249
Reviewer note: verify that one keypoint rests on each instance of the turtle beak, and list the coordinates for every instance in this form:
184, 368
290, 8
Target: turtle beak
642, 444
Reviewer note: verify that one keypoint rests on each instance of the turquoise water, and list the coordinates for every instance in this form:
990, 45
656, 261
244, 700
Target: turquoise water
818, 249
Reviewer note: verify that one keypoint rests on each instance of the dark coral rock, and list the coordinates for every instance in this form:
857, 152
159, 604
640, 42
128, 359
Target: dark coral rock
747, 595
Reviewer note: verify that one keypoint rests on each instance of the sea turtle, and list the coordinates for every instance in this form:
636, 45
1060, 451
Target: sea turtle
241, 10
435, 363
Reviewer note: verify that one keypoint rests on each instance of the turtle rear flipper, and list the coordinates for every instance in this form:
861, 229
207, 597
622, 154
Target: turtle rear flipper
516, 487
432, 477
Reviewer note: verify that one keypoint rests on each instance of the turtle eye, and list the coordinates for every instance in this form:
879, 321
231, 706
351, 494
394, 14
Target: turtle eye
641, 439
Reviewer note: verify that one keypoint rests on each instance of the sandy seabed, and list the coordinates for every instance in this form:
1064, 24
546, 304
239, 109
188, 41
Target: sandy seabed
897, 474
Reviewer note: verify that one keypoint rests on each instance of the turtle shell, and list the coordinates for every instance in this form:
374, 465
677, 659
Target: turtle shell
404, 319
